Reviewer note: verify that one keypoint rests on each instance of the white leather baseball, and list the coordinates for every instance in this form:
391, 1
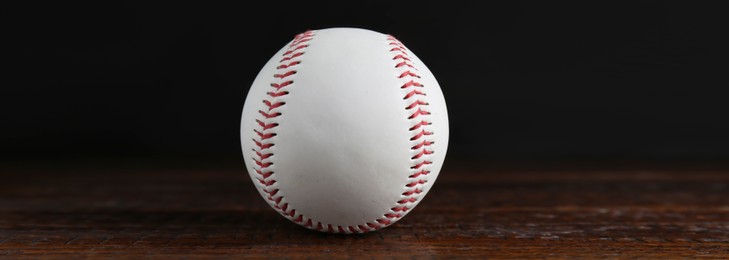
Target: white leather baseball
344, 130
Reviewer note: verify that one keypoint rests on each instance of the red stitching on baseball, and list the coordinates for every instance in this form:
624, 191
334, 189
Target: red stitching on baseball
278, 86
421, 172
411, 84
421, 164
421, 154
418, 182
301, 38
266, 126
271, 193
408, 200
404, 63
281, 76
400, 209
277, 94
273, 105
264, 137
419, 128
416, 103
293, 56
422, 144
408, 73
421, 134
295, 49
395, 42
422, 123
263, 155
264, 174
418, 113
293, 63
411, 192
267, 183
269, 115
262, 161
413, 93
392, 215
261, 145
401, 56
400, 49
263, 164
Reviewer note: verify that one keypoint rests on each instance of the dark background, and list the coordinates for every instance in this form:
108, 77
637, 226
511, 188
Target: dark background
523, 80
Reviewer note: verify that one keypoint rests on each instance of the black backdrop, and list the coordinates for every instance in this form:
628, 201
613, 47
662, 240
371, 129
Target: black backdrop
639, 80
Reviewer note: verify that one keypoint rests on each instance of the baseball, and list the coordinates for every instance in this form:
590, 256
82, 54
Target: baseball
344, 130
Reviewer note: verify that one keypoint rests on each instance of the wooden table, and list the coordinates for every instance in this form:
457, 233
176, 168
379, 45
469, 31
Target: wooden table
209, 209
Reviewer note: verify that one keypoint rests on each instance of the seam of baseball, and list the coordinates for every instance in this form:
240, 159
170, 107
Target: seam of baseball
263, 140
419, 129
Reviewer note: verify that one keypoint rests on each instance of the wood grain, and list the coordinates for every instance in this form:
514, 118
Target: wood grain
127, 209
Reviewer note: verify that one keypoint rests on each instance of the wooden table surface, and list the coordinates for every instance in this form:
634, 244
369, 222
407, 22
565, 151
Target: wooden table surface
129, 209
